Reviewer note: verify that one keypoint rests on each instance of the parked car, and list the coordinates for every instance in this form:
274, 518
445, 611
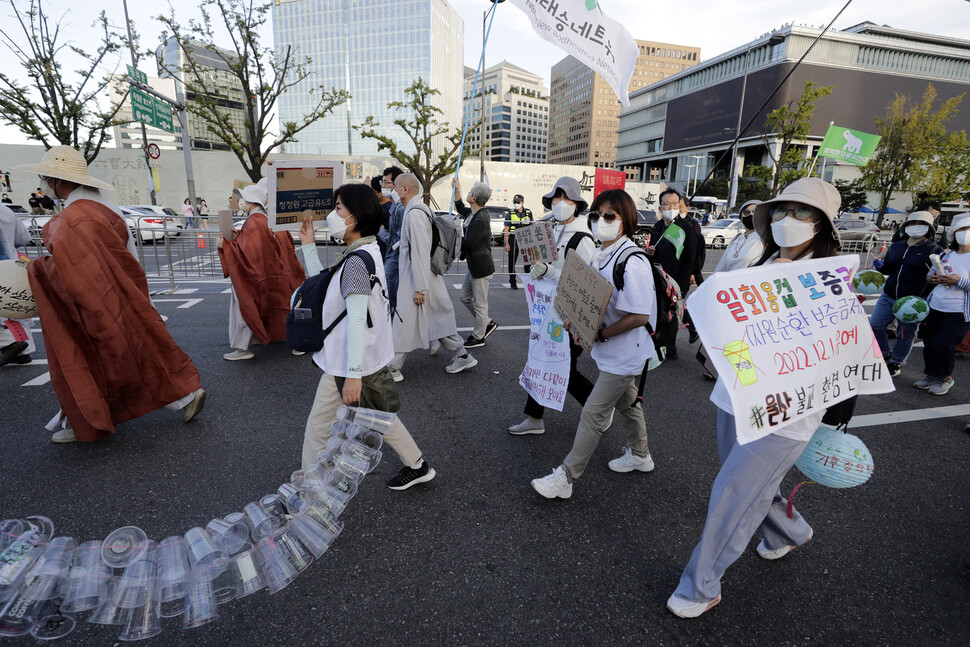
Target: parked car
497, 217
144, 225
174, 218
719, 234
864, 232
646, 219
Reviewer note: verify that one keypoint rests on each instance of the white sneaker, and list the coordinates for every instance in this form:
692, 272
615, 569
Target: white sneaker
460, 363
684, 608
435, 347
64, 436
396, 375
556, 485
780, 552
528, 426
630, 461
238, 354
299, 352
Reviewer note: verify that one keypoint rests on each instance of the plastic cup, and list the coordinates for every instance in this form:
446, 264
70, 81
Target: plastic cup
123, 546
345, 483
273, 506
357, 468
174, 576
138, 581
324, 458
362, 452
205, 552
282, 557
18, 615
738, 354
109, 613
200, 604
87, 579
325, 502
143, 621
10, 529
260, 523
48, 579
250, 571
366, 437
290, 496
52, 621
379, 421
339, 428
227, 584
311, 478
18, 559
313, 535
239, 526
234, 537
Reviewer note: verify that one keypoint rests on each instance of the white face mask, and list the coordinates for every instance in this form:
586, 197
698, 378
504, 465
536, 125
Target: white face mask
963, 237
396, 197
243, 205
917, 231
336, 225
669, 214
563, 211
789, 232
387, 192
606, 231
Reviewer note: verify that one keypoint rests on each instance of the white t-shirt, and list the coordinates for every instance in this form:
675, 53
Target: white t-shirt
626, 353
950, 298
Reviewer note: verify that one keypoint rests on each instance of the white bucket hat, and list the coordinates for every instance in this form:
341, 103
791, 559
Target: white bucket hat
65, 163
253, 193
960, 221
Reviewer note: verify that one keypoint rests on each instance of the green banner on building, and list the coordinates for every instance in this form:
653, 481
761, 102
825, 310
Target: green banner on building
846, 145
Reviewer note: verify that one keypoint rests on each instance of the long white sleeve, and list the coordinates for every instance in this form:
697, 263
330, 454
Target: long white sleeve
312, 259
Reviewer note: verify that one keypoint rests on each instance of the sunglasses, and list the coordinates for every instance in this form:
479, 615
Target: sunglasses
607, 216
800, 213
747, 212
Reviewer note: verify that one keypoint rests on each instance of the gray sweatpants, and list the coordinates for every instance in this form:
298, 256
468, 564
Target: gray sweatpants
610, 392
745, 498
474, 294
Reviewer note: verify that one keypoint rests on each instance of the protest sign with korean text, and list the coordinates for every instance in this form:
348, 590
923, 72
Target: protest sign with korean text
537, 243
546, 373
298, 186
581, 298
788, 340
847, 145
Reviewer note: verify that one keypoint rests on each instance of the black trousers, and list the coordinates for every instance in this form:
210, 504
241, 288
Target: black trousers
513, 254
942, 333
579, 386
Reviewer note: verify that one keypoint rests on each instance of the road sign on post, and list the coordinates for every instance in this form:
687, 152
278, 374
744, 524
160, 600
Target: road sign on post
137, 74
150, 110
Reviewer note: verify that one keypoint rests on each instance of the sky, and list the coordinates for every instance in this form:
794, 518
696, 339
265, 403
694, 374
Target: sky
715, 26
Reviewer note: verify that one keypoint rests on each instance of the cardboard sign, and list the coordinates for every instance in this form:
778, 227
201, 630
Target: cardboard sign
581, 298
234, 199
788, 340
546, 373
537, 243
225, 224
301, 186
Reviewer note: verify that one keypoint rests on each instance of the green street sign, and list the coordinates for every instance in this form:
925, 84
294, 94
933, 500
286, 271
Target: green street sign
151, 111
138, 75
846, 145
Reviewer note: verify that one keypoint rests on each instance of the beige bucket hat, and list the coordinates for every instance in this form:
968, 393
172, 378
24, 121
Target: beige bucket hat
924, 217
65, 163
812, 191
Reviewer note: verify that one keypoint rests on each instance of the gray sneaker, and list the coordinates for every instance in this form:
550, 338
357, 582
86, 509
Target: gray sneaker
460, 363
925, 383
942, 386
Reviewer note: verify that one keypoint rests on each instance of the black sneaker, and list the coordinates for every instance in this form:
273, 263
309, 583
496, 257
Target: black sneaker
693, 336
474, 342
489, 329
671, 353
409, 476
8, 353
894, 369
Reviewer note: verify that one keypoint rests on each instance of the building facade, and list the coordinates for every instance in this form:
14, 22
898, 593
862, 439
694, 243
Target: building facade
676, 129
516, 114
220, 84
128, 135
584, 109
374, 49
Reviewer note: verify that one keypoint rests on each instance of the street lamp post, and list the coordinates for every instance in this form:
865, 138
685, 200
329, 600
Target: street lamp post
697, 162
690, 171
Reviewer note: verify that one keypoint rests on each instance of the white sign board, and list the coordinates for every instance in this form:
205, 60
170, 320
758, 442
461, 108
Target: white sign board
546, 373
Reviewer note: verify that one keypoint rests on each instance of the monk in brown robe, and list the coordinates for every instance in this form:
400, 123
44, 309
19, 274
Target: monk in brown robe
264, 271
110, 356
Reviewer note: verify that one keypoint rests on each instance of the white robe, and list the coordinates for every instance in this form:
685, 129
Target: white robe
434, 319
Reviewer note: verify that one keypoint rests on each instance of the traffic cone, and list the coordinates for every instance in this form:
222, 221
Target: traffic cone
201, 242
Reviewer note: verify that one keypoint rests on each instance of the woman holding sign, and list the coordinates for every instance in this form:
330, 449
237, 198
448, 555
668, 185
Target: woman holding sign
571, 232
622, 347
795, 226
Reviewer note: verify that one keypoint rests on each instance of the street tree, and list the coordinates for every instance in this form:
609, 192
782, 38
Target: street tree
57, 106
435, 145
913, 135
948, 174
854, 195
790, 124
262, 75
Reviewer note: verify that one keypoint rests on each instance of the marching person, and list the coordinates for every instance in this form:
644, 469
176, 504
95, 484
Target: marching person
390, 234
519, 216
621, 349
110, 356
795, 226
677, 260
949, 319
423, 302
746, 247
356, 353
13, 234
571, 232
906, 264
476, 251
264, 272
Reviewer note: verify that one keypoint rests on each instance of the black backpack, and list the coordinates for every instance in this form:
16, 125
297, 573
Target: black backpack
304, 322
670, 303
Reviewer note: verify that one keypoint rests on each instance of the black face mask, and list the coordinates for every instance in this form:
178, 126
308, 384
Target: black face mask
748, 222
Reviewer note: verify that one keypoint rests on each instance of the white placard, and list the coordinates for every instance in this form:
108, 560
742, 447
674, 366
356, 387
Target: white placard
546, 373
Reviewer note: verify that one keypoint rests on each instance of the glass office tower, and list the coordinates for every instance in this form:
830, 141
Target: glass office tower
374, 49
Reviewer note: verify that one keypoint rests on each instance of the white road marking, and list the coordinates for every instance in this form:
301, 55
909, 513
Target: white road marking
912, 415
38, 381
188, 303
499, 328
185, 290
33, 363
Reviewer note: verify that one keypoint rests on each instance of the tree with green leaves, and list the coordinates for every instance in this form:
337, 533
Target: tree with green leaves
790, 124
854, 195
948, 175
913, 137
57, 107
420, 122
262, 75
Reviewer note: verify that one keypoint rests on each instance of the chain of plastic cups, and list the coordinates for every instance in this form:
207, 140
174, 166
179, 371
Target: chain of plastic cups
133, 582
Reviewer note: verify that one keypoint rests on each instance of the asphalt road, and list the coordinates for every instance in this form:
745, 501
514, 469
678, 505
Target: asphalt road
476, 557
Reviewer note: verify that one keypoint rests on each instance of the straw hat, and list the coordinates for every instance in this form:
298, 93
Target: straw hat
65, 163
811, 191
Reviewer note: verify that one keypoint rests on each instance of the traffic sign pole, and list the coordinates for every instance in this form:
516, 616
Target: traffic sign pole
133, 71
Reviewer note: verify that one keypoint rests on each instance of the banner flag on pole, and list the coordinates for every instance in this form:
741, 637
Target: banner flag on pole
846, 145
582, 30
677, 238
